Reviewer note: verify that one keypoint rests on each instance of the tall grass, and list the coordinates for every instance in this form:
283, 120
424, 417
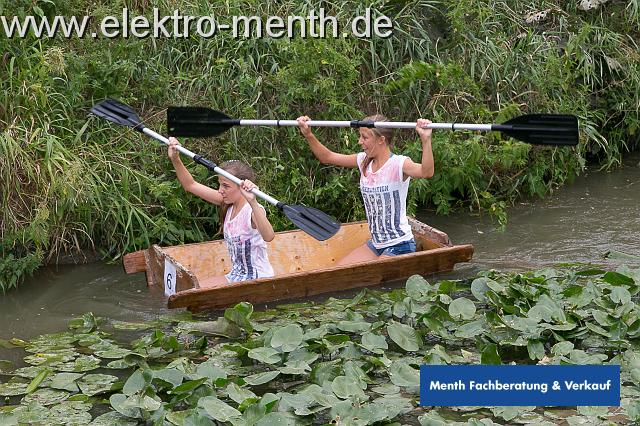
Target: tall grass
72, 184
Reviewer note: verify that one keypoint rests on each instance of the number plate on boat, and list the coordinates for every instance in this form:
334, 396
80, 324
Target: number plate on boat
169, 278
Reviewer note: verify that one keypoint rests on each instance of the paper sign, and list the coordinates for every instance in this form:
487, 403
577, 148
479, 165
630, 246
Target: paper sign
169, 278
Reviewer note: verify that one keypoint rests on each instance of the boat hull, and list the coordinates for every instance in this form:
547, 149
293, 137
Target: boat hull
303, 266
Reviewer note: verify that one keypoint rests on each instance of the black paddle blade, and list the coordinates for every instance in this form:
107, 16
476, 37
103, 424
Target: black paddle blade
318, 224
542, 129
198, 121
118, 113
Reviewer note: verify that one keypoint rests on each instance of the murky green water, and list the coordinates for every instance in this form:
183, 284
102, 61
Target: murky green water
597, 213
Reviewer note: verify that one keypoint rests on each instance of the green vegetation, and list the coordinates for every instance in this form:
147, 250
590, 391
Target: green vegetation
70, 184
352, 361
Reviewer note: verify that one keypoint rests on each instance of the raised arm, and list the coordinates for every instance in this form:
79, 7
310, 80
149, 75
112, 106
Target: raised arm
322, 153
186, 180
259, 218
425, 168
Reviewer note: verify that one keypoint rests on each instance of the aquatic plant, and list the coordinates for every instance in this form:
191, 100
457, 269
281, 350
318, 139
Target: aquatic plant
352, 361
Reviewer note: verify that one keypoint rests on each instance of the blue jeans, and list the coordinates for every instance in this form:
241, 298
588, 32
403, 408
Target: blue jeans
400, 248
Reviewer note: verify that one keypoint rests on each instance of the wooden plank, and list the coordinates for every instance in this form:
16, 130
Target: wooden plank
333, 279
134, 262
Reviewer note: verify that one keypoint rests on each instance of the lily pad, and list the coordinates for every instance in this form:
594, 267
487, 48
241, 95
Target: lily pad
287, 338
118, 364
239, 394
13, 388
217, 409
344, 387
113, 418
462, 308
29, 372
402, 374
52, 357
374, 342
265, 355
404, 336
81, 364
94, 384
261, 378
46, 396
65, 381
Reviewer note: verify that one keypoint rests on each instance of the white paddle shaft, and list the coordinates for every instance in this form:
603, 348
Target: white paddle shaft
216, 169
379, 124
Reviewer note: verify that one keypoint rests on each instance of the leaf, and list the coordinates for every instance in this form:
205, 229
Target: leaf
169, 375
277, 419
536, 349
94, 384
418, 288
345, 387
402, 374
620, 295
239, 394
479, 287
374, 342
135, 383
490, 355
265, 355
65, 381
462, 308
616, 279
37, 380
261, 378
188, 387
240, 315
471, 329
46, 396
210, 371
217, 409
404, 336
287, 338
562, 348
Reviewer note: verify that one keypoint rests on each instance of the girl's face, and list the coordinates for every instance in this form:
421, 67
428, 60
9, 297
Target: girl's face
230, 191
370, 141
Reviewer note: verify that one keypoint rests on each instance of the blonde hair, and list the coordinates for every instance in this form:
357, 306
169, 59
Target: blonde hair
385, 132
242, 171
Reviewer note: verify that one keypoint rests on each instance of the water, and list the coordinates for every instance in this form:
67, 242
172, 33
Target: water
599, 212
580, 222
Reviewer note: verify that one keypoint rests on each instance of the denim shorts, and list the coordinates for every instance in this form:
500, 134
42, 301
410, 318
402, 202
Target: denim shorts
400, 248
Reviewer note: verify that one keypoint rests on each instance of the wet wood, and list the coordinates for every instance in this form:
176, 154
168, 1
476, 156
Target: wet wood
135, 262
303, 266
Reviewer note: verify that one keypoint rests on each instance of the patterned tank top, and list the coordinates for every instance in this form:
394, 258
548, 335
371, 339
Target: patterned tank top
384, 193
247, 249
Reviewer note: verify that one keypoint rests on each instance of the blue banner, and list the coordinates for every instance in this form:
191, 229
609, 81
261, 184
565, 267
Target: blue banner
508, 385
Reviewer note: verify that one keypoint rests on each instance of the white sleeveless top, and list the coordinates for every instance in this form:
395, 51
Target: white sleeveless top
385, 201
247, 249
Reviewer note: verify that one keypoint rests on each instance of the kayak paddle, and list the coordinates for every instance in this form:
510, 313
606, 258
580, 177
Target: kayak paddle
536, 129
312, 221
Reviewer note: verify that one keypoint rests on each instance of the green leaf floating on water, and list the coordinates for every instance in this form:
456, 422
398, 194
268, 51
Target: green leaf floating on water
13, 388
462, 308
402, 374
65, 381
404, 336
287, 338
374, 342
240, 315
46, 396
261, 378
94, 384
265, 355
345, 387
217, 409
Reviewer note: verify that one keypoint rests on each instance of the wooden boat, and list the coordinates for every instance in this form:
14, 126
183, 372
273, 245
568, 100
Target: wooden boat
303, 266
